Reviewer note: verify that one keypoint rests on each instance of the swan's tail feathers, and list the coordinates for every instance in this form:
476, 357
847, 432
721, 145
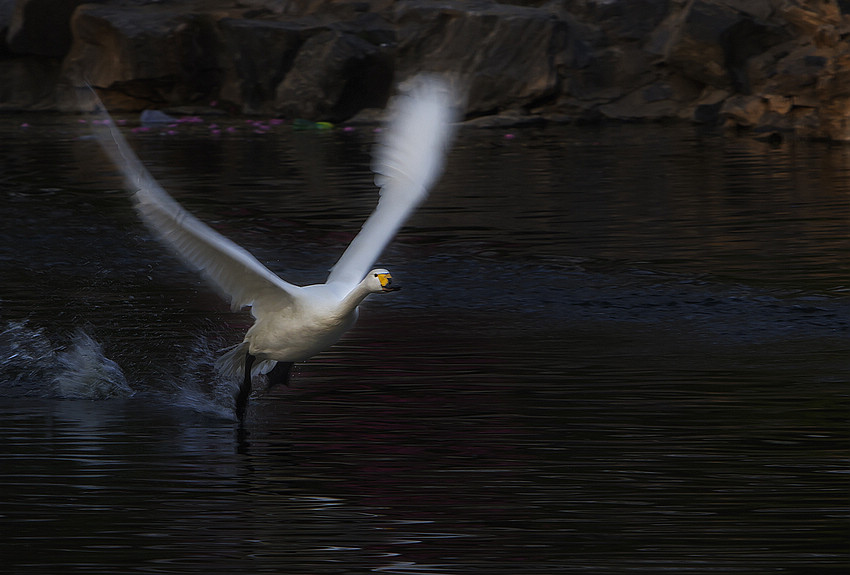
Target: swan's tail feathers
232, 362
264, 366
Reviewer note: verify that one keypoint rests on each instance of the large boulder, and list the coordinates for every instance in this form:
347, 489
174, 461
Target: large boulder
820, 21
710, 41
620, 21
509, 56
257, 54
335, 75
152, 55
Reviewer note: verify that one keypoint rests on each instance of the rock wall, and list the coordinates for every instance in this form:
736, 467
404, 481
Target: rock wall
765, 65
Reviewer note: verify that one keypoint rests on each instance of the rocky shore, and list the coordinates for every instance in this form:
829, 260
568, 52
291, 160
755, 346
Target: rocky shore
769, 66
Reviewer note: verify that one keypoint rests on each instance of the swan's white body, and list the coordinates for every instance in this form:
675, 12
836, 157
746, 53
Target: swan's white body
293, 323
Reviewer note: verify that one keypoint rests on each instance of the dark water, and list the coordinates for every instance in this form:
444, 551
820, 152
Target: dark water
618, 350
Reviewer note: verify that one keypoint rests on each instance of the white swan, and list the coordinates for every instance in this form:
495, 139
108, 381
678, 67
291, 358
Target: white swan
293, 323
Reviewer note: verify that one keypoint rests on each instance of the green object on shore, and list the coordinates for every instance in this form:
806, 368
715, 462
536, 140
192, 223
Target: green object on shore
302, 124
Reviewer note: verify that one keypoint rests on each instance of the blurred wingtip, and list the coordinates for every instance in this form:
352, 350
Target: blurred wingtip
446, 89
419, 128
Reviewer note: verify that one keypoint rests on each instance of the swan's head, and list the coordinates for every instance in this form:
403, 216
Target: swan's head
380, 281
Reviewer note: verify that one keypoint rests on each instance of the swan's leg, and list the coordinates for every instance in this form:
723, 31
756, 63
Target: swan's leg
245, 388
280, 373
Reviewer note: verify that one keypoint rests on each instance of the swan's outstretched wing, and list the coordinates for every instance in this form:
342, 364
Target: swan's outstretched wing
408, 160
232, 269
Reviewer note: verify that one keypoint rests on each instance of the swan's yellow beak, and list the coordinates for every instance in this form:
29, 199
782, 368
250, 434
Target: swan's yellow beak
387, 282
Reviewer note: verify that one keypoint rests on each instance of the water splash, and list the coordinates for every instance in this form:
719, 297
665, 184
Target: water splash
86, 373
201, 387
27, 356
33, 364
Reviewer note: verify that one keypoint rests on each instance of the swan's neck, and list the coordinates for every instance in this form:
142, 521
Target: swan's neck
355, 296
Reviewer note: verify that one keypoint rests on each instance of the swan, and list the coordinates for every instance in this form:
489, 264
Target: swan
293, 323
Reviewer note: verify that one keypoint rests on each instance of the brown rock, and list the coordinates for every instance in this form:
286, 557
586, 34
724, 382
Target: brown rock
743, 111
149, 53
256, 56
818, 20
793, 74
712, 42
696, 43
334, 75
706, 109
835, 120
612, 72
631, 20
508, 55
833, 91
778, 104
766, 64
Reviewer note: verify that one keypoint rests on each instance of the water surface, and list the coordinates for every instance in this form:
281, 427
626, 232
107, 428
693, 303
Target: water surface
619, 349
